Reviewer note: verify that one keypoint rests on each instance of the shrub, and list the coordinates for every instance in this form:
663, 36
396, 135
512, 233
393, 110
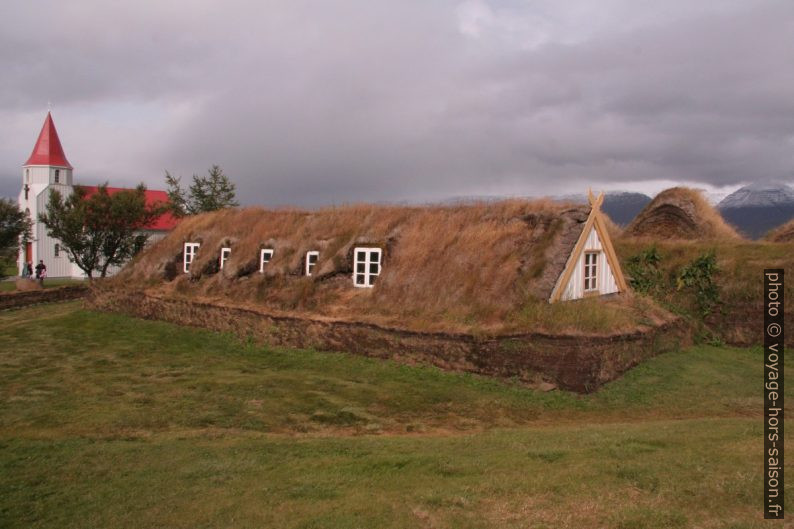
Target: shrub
644, 273
698, 278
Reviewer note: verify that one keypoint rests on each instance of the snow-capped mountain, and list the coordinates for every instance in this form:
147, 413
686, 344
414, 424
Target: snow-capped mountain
759, 195
758, 208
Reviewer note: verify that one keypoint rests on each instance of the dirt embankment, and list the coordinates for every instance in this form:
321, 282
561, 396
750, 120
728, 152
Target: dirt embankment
742, 324
14, 300
578, 363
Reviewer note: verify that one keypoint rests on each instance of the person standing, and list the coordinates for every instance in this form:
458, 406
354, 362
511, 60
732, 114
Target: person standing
41, 272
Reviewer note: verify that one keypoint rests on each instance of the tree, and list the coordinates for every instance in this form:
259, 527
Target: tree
100, 230
207, 193
15, 230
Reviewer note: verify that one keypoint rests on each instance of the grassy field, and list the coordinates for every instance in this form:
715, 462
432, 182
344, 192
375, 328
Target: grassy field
10, 286
108, 421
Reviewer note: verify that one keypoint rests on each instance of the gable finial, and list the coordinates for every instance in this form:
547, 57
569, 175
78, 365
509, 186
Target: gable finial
595, 201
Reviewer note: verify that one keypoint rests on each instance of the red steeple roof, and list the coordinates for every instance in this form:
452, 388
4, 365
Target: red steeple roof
48, 150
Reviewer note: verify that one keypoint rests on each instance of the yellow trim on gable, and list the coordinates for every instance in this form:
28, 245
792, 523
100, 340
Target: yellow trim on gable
594, 219
609, 250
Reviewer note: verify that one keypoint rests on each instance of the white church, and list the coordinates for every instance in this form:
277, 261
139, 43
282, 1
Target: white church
47, 168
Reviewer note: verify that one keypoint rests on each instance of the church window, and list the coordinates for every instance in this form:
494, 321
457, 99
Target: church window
57, 250
57, 176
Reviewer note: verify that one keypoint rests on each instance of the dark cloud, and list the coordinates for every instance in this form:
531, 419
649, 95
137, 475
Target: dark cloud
329, 102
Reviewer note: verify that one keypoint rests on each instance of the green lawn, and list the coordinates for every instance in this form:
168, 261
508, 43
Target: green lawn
10, 286
109, 421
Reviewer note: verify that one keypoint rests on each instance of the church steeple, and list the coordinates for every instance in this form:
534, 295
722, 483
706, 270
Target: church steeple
48, 150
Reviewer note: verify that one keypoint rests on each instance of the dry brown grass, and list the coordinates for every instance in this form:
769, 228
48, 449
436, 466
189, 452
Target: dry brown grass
460, 267
784, 233
680, 213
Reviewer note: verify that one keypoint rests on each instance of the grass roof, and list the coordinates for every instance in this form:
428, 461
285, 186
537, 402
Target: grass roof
680, 213
481, 265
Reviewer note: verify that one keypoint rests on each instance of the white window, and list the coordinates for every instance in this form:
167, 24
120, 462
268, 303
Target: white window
366, 266
57, 250
590, 271
311, 261
225, 253
191, 248
265, 255
57, 175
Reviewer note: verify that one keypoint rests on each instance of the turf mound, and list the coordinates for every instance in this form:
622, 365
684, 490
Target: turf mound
680, 213
784, 233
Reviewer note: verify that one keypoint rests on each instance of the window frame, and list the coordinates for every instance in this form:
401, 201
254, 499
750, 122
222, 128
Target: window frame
223, 258
57, 176
262, 252
194, 248
369, 276
57, 250
308, 267
590, 279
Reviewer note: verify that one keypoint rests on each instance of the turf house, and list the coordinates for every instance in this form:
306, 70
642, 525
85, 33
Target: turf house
526, 289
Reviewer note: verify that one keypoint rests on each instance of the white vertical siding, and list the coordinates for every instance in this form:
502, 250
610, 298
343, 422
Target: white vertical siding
44, 247
38, 174
606, 280
37, 180
154, 236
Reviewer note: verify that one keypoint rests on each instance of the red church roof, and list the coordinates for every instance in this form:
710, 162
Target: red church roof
48, 150
165, 222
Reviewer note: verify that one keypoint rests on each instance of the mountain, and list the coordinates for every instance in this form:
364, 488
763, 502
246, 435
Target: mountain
757, 208
620, 206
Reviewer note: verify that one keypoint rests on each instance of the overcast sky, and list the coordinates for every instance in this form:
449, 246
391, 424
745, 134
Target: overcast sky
326, 101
